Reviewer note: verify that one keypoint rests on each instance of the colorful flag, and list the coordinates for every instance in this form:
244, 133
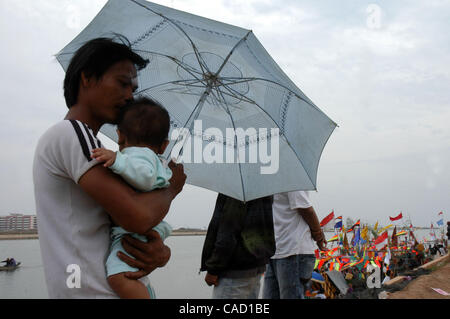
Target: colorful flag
394, 238
381, 238
365, 233
351, 228
375, 228
385, 228
321, 262
334, 238
346, 246
403, 232
331, 265
332, 252
338, 224
440, 222
400, 216
381, 241
357, 238
366, 264
341, 239
327, 219
316, 263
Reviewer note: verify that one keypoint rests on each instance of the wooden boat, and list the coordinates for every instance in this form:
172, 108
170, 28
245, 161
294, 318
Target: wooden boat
9, 268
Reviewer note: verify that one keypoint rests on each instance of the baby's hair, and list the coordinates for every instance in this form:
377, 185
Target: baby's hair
144, 121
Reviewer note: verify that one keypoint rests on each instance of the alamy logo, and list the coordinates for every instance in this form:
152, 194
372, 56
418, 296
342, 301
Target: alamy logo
373, 20
74, 279
374, 279
235, 146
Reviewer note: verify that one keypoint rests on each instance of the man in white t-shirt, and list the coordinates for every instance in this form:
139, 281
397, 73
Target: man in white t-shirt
297, 233
76, 198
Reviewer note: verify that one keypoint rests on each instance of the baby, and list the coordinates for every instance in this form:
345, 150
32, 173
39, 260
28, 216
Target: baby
143, 133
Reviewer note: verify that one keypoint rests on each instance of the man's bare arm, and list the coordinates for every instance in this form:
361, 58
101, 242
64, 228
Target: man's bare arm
135, 212
310, 217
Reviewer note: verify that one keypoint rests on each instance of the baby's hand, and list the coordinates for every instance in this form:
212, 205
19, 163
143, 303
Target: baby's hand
104, 155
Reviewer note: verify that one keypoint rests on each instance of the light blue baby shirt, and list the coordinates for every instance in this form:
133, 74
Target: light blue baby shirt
141, 168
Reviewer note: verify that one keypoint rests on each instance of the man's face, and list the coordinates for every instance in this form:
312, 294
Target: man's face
113, 90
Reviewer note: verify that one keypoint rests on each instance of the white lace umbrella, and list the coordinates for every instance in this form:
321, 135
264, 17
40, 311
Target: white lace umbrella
216, 79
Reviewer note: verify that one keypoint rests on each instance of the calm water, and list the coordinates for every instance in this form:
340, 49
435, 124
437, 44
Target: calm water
178, 280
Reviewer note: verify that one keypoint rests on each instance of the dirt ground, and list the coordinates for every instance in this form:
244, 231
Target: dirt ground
420, 288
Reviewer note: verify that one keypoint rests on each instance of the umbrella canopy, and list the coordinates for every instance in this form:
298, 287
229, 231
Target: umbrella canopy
241, 126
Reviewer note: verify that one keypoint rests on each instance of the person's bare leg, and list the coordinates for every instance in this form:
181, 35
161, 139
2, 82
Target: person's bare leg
128, 288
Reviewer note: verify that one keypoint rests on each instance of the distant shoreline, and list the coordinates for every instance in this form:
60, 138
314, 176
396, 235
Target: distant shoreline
21, 236
9, 236
176, 232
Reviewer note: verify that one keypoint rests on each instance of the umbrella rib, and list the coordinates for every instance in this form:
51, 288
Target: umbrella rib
231, 52
197, 54
267, 80
186, 67
215, 100
239, 95
199, 107
282, 133
236, 143
235, 82
177, 90
172, 82
285, 87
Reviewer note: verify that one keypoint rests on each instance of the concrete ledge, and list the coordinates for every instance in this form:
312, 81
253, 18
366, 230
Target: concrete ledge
435, 262
395, 280
428, 265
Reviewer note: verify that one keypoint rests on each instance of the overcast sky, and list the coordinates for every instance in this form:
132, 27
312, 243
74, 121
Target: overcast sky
380, 69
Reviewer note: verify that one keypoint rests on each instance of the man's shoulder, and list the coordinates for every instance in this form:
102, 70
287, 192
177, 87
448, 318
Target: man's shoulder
69, 126
71, 133
61, 129
58, 126
66, 149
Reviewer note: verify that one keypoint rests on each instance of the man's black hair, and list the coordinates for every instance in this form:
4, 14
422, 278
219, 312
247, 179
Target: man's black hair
94, 58
144, 121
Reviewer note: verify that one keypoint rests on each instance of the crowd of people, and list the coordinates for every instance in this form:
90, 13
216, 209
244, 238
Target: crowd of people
403, 262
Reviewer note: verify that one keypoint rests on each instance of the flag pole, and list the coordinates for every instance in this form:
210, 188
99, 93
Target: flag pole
409, 234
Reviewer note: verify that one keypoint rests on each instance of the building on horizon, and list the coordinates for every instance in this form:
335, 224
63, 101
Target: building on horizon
18, 222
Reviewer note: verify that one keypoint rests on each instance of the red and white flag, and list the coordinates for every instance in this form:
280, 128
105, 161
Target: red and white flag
400, 216
441, 213
327, 219
381, 241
